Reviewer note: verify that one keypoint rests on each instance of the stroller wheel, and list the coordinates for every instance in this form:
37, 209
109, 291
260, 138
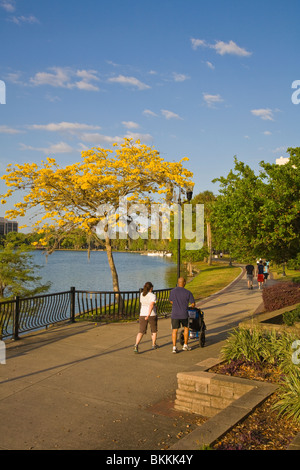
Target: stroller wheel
202, 338
181, 338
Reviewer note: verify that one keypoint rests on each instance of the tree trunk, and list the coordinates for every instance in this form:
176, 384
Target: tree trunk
111, 263
114, 274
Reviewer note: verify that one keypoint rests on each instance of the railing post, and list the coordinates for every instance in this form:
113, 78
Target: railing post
72, 304
16, 318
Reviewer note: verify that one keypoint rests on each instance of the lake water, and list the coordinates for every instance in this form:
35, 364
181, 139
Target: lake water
73, 268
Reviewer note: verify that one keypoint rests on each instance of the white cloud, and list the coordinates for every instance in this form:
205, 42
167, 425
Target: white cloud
138, 136
64, 77
87, 74
267, 133
231, 47
210, 65
197, 43
83, 85
132, 81
51, 98
23, 19
211, 100
99, 139
86, 77
9, 130
114, 64
221, 47
279, 149
14, 77
169, 114
264, 113
8, 5
58, 78
130, 124
148, 112
61, 147
63, 127
180, 77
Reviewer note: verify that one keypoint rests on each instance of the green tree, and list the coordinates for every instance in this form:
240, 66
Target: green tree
258, 215
236, 213
207, 198
18, 273
281, 210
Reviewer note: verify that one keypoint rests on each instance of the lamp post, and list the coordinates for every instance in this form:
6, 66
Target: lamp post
189, 195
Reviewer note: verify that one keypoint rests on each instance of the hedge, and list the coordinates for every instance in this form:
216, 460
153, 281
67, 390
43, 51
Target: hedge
281, 295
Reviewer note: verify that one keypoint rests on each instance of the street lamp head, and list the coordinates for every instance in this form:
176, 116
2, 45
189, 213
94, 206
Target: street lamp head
189, 194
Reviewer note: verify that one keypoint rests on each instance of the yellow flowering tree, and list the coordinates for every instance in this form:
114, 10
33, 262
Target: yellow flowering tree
70, 197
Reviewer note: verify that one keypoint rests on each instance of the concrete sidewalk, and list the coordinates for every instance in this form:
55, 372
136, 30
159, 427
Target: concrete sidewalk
81, 387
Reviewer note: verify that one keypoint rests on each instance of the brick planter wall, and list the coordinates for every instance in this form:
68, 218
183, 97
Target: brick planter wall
224, 400
207, 393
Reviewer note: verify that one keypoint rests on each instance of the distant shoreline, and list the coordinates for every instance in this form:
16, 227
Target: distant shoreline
141, 252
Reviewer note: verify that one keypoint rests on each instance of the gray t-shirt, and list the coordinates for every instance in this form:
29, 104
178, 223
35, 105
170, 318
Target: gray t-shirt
181, 299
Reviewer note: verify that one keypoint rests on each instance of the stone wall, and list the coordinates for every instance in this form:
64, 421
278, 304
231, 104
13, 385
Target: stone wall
206, 393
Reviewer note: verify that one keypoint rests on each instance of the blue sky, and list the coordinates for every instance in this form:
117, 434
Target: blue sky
205, 80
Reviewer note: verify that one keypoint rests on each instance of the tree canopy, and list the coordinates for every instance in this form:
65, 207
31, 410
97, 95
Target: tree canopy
259, 215
70, 197
18, 272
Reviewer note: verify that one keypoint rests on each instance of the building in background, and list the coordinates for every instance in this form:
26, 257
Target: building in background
282, 160
7, 226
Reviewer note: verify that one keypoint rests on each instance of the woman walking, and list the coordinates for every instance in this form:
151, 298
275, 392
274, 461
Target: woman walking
147, 315
266, 272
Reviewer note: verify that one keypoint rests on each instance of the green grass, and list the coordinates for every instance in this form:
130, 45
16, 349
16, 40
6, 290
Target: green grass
211, 279
291, 274
113, 313
208, 281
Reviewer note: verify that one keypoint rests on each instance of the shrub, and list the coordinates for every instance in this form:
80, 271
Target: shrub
254, 345
289, 403
259, 346
290, 318
241, 344
294, 263
281, 295
283, 349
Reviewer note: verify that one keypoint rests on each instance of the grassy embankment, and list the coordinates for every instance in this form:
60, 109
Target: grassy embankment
211, 279
291, 274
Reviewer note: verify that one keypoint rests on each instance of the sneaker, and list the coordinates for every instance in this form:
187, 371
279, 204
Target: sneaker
186, 348
136, 349
174, 350
154, 346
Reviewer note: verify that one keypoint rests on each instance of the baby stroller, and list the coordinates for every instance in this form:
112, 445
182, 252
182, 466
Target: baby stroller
196, 326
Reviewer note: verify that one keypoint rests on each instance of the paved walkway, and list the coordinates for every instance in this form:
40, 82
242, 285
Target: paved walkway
81, 387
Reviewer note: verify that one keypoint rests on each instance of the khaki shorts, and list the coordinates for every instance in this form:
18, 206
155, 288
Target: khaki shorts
144, 324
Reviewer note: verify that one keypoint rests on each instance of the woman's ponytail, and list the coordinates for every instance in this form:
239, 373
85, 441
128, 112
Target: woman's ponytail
147, 287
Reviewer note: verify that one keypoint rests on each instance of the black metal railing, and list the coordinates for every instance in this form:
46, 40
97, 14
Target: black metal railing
110, 306
22, 315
